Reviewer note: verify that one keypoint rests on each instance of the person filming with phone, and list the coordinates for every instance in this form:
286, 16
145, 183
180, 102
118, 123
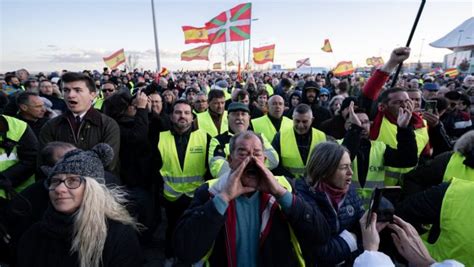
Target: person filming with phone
248, 217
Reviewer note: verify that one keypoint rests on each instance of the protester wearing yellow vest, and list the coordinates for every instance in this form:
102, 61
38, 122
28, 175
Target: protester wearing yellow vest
458, 163
294, 145
107, 89
370, 158
214, 120
248, 217
274, 121
18, 151
183, 167
239, 120
450, 208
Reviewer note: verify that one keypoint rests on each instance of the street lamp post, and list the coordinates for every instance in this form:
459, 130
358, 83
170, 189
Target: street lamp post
157, 51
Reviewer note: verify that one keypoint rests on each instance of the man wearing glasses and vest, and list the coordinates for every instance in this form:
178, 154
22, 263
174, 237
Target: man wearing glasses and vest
294, 145
248, 217
390, 101
182, 161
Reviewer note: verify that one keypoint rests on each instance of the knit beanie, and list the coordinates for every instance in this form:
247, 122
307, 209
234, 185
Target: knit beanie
84, 163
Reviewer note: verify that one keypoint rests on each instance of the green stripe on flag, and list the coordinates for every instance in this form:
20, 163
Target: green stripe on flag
217, 22
240, 32
240, 12
218, 34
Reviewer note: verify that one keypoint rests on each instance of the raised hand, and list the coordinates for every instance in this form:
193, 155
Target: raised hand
234, 187
268, 183
397, 56
353, 119
404, 115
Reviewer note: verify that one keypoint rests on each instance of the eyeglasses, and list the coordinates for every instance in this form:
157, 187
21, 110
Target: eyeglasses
71, 182
108, 90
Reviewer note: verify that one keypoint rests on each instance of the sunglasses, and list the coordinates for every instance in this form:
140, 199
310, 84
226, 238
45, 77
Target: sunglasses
108, 90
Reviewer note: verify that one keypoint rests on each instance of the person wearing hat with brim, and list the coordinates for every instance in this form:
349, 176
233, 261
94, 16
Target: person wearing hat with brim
429, 90
239, 121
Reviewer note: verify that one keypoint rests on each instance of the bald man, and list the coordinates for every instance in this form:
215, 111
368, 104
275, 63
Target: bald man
274, 121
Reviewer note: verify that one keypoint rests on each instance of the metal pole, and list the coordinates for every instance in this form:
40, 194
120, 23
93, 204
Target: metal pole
421, 49
225, 55
420, 10
157, 51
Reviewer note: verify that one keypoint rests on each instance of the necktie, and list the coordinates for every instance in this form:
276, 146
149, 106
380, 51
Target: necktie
78, 120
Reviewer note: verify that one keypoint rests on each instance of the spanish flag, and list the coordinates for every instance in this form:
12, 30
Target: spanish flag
217, 66
195, 35
327, 46
263, 54
343, 68
114, 60
453, 72
198, 53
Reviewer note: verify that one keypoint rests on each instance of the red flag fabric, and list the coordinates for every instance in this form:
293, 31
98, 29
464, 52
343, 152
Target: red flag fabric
230, 25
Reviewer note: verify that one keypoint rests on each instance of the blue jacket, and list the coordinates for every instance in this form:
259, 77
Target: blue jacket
347, 218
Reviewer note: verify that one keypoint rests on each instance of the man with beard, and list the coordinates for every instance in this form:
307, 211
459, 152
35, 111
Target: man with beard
214, 121
182, 154
239, 120
248, 216
310, 97
294, 145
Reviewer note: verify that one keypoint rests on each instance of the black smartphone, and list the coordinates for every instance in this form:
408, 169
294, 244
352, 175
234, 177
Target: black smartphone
430, 106
382, 203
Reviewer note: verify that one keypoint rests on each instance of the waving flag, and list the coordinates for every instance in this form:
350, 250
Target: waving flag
195, 35
374, 61
230, 25
263, 54
114, 60
231, 64
198, 53
303, 63
452, 72
217, 66
327, 46
343, 68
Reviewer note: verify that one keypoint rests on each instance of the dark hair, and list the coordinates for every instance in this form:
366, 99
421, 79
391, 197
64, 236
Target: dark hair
43, 81
47, 153
413, 90
441, 103
324, 161
215, 93
69, 77
241, 94
182, 101
263, 92
9, 77
116, 105
24, 98
384, 96
110, 82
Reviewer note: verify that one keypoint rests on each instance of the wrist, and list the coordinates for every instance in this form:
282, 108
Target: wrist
225, 197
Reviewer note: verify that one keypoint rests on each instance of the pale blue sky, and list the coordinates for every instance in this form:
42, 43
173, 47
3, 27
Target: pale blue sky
75, 34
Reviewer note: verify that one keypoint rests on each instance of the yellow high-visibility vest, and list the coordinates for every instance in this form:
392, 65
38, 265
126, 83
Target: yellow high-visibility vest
264, 126
16, 129
456, 168
177, 180
206, 123
290, 156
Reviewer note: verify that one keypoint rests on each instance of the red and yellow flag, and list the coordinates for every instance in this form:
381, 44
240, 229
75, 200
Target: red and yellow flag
198, 53
114, 60
327, 46
343, 68
263, 54
374, 61
452, 72
217, 66
195, 35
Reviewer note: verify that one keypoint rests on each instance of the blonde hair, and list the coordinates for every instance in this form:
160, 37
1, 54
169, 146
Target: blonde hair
90, 226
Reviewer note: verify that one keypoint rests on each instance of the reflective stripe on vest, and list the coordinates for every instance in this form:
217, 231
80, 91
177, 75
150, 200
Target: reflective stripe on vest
99, 103
290, 154
179, 181
16, 129
456, 168
375, 173
388, 135
456, 238
206, 123
264, 126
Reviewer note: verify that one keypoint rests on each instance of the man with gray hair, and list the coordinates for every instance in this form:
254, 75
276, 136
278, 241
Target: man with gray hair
301, 136
226, 213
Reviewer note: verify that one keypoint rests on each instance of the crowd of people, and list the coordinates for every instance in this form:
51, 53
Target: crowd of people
250, 169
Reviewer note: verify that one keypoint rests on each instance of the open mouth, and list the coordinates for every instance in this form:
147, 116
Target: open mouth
72, 102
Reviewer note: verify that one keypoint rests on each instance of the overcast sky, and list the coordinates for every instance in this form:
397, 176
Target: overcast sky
75, 34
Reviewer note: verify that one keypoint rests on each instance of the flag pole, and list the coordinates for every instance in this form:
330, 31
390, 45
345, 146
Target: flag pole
420, 10
157, 51
225, 56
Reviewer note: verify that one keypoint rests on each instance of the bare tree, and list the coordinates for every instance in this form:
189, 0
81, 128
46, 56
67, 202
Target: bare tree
132, 61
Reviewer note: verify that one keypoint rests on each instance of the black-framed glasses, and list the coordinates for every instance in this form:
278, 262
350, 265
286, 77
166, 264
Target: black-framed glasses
71, 182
